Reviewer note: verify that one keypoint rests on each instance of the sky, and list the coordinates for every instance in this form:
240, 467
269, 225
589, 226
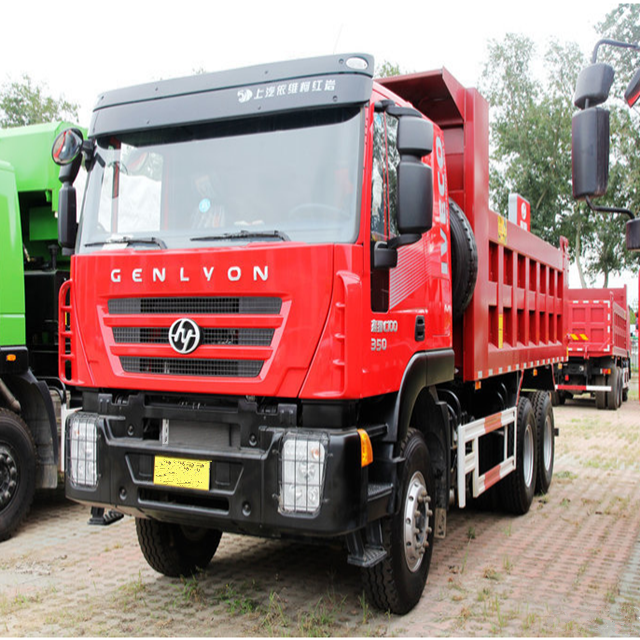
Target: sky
82, 48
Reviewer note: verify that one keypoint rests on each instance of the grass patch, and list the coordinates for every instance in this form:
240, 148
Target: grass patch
237, 602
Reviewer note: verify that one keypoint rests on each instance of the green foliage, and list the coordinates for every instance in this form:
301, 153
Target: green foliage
387, 69
622, 24
531, 133
531, 114
23, 103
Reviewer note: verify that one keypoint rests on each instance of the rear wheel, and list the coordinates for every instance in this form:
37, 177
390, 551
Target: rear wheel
620, 386
614, 397
517, 489
545, 434
396, 583
175, 550
17, 472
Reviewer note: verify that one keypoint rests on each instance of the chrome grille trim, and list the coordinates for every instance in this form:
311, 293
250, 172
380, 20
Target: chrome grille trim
217, 336
192, 367
194, 306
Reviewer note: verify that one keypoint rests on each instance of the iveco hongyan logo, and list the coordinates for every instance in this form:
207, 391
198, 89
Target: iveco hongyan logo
184, 335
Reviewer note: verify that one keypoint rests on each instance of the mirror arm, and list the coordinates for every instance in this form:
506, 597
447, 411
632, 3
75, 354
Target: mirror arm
612, 43
593, 207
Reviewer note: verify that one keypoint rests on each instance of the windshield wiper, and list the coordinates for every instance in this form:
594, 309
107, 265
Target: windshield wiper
246, 234
129, 240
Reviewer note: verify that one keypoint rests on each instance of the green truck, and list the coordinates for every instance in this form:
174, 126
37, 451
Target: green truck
31, 273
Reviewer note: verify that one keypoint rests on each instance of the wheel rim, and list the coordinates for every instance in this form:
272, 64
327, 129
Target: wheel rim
417, 516
547, 443
527, 456
8, 477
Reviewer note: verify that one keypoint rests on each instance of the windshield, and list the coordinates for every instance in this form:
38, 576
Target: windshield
288, 177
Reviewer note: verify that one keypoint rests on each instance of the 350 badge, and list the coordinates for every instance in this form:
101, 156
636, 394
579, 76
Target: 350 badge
382, 326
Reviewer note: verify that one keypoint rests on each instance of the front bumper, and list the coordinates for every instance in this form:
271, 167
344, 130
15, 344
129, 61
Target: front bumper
243, 447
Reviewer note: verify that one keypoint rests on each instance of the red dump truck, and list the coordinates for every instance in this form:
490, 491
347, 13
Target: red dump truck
293, 314
599, 347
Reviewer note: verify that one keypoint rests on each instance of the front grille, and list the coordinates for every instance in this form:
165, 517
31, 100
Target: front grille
160, 335
229, 337
192, 367
192, 306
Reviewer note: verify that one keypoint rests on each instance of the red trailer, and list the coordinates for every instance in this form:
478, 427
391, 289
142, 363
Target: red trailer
599, 347
338, 337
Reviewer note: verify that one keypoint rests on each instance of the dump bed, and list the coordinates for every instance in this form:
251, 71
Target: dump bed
516, 317
598, 323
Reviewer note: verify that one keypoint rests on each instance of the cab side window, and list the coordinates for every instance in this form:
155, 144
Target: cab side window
384, 190
384, 183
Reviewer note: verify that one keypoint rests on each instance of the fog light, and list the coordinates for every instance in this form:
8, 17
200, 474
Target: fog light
82, 449
302, 472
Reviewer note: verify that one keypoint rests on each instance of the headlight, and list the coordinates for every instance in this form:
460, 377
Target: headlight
302, 472
82, 449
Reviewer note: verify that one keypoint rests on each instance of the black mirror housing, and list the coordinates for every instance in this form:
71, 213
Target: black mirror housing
384, 256
593, 85
633, 235
415, 197
415, 137
67, 224
590, 153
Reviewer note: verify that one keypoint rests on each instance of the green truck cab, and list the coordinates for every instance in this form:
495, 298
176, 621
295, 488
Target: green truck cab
31, 273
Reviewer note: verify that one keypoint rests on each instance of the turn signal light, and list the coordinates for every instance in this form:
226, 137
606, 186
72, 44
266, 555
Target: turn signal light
366, 450
12, 357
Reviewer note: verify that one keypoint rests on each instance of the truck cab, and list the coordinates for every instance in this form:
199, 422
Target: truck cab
273, 320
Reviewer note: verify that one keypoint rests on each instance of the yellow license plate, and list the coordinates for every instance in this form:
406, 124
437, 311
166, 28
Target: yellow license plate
182, 472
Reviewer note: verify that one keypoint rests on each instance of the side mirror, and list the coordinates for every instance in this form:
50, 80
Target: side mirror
67, 153
67, 222
415, 179
633, 235
415, 137
415, 197
632, 93
67, 147
590, 153
593, 85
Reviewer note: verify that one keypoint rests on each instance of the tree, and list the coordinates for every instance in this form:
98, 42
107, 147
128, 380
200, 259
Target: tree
531, 136
24, 103
622, 24
531, 150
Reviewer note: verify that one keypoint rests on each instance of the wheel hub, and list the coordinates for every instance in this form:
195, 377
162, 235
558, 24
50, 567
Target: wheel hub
8, 477
417, 516
528, 456
548, 442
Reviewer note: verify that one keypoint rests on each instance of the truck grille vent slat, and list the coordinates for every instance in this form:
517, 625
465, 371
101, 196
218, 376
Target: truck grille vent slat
153, 335
192, 367
208, 305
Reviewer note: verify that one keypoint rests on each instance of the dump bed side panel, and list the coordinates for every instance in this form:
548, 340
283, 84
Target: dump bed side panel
599, 323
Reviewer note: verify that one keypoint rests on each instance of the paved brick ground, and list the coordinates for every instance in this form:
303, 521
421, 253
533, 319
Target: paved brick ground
571, 567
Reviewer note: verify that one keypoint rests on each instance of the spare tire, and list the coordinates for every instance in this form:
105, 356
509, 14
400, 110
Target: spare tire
464, 260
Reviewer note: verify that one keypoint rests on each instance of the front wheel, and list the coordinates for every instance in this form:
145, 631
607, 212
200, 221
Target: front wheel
396, 583
17, 472
175, 550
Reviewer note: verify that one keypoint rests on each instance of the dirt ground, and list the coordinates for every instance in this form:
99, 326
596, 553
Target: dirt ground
570, 567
